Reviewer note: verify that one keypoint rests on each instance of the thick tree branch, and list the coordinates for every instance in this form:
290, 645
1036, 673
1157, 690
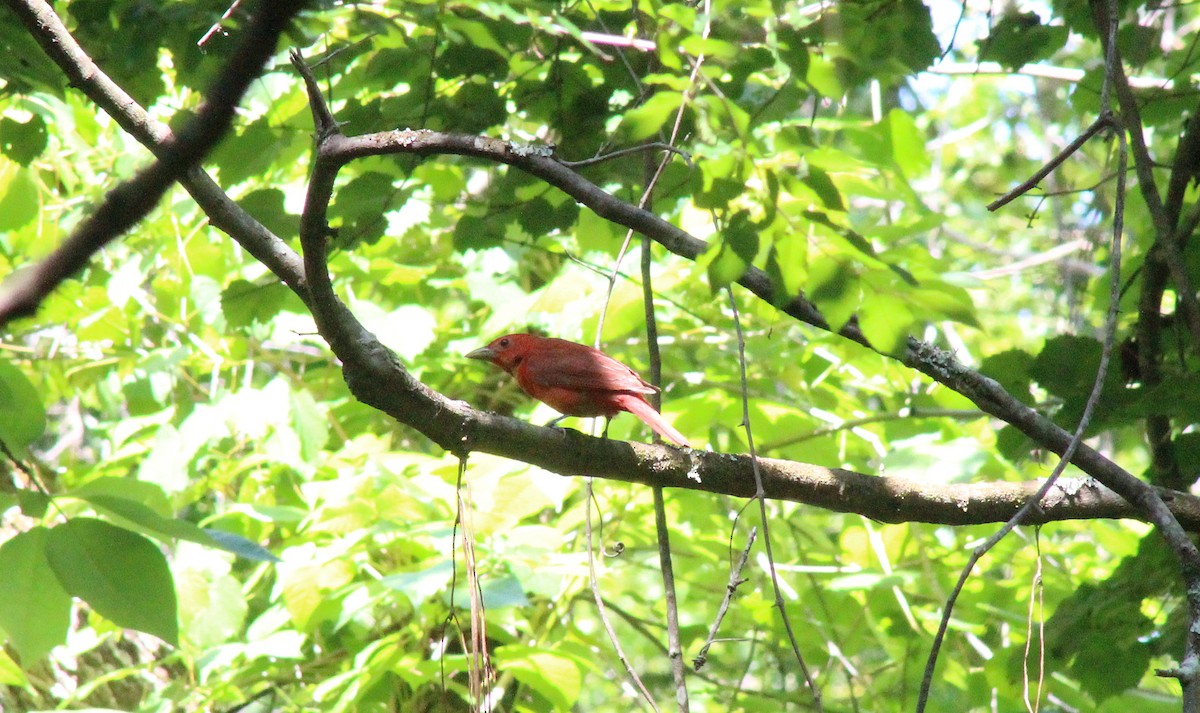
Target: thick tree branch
1185, 167
376, 378
1162, 261
47, 28
336, 149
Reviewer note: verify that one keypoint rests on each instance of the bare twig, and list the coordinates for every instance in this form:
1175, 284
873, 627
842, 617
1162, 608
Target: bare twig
674, 646
216, 26
1055, 253
853, 423
593, 583
452, 616
600, 38
1040, 71
479, 664
653, 146
760, 495
962, 13
1036, 601
662, 531
735, 581
1102, 122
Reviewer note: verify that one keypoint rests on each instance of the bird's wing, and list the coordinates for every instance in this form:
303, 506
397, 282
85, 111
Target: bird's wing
583, 369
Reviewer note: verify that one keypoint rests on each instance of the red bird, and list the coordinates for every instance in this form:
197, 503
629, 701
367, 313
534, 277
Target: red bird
575, 380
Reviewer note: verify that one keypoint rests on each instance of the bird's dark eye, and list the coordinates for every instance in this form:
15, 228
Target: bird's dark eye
504, 342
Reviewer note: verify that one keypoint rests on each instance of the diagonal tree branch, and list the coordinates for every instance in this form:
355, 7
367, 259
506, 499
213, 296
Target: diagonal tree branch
61, 47
132, 200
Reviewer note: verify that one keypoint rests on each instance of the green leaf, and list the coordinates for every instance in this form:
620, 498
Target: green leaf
34, 610
1011, 369
498, 593
908, 145
421, 585
1020, 38
793, 50
266, 205
475, 233
739, 247
22, 141
120, 574
34, 503
167, 464
1067, 366
144, 517
834, 288
145, 493
886, 321
554, 677
309, 422
249, 153
244, 303
725, 268
787, 264
360, 207
933, 301
212, 608
823, 77
233, 543
19, 199
649, 118
720, 180
1105, 669
10, 673
22, 416
820, 183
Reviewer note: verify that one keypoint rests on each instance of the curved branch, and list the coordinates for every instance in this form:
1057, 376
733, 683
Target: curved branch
336, 149
377, 379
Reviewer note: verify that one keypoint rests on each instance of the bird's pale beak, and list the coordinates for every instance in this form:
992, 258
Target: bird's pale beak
484, 353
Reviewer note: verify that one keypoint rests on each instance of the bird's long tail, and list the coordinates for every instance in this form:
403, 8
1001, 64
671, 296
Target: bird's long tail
638, 407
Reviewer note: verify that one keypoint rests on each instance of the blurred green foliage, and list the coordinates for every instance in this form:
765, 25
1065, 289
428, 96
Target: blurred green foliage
239, 527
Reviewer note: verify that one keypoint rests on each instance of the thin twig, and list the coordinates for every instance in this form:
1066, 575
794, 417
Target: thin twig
593, 582
675, 648
735, 581
962, 12
1036, 600
761, 496
674, 641
1102, 122
662, 165
216, 27
654, 146
853, 423
479, 666
1110, 328
662, 531
32, 476
452, 615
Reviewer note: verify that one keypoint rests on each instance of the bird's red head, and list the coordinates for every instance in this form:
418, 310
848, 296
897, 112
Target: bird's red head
505, 352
